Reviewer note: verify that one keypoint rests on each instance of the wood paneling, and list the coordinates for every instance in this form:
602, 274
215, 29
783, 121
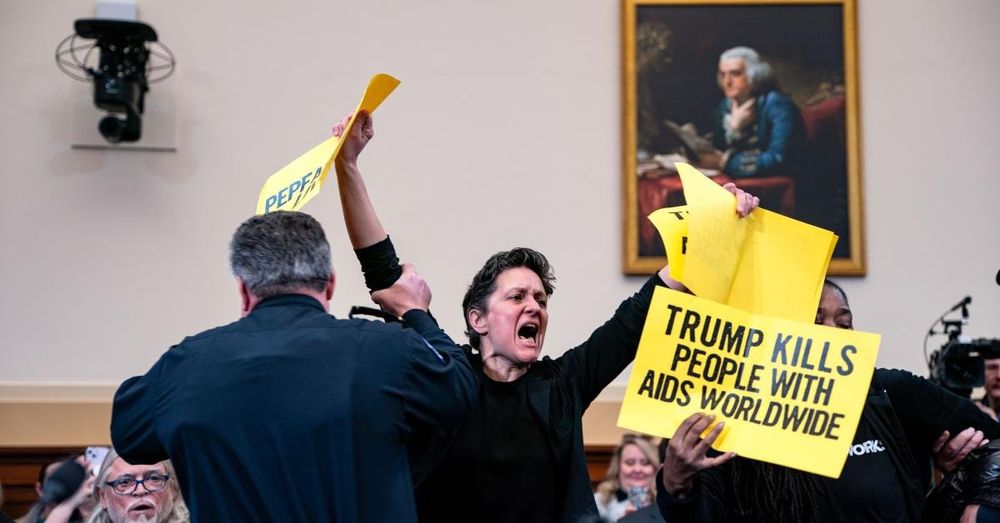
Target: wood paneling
19, 468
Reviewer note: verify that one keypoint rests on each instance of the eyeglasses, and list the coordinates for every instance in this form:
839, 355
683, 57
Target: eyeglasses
127, 485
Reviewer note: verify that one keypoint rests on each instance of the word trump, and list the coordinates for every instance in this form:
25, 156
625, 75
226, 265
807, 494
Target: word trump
789, 392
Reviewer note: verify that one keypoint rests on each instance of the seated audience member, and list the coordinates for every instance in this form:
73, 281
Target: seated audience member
630, 481
4, 518
650, 513
74, 509
128, 493
991, 384
903, 415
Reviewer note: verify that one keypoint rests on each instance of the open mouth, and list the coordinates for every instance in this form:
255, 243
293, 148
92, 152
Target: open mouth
528, 331
144, 506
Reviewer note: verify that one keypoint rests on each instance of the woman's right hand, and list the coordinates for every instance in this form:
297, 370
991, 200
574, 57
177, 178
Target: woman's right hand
357, 136
686, 453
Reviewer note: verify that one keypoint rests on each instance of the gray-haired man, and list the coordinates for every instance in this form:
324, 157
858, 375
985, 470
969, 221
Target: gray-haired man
290, 414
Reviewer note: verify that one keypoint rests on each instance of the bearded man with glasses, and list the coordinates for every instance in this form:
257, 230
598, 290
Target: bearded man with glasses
129, 493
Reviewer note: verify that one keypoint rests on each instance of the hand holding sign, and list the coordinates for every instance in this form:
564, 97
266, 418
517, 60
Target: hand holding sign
745, 202
686, 454
357, 137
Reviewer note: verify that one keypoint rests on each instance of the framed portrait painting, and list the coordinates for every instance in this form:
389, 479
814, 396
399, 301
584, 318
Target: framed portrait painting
763, 94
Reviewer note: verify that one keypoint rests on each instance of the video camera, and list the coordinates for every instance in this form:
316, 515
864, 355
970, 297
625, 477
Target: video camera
958, 364
121, 73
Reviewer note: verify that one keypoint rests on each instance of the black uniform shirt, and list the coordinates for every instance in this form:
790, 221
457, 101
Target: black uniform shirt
290, 414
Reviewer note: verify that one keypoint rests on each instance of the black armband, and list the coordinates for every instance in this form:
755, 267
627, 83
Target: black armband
379, 264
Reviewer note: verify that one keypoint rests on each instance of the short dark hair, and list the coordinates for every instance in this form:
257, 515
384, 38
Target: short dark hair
485, 281
279, 252
41, 471
59, 461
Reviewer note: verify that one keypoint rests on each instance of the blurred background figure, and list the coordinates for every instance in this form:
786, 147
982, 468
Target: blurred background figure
55, 483
651, 513
630, 481
4, 518
991, 384
128, 493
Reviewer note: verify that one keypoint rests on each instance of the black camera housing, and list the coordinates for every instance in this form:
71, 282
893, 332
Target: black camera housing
958, 366
120, 82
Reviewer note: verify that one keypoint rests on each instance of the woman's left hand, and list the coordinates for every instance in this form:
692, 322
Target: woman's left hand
745, 202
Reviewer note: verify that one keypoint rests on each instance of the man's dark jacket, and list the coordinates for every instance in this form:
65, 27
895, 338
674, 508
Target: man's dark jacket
290, 414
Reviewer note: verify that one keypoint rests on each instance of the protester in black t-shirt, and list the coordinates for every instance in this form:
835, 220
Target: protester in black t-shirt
885, 477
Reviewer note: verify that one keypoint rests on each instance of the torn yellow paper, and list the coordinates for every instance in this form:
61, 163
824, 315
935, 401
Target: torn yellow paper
766, 263
782, 267
715, 236
790, 393
295, 184
671, 222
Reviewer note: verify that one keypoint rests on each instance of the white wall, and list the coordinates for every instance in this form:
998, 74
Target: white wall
504, 132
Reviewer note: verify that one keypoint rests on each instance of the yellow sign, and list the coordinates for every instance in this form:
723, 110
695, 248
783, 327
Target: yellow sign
715, 236
295, 184
789, 393
766, 263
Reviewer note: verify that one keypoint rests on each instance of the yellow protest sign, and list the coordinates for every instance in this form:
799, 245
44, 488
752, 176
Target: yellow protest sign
790, 393
766, 263
295, 184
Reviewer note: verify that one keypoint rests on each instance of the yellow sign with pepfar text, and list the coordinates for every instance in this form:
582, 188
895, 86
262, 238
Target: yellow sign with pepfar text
295, 184
790, 393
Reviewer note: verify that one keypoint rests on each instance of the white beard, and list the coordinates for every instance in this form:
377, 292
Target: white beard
157, 518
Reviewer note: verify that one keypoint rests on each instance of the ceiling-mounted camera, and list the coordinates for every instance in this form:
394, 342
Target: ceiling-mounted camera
122, 72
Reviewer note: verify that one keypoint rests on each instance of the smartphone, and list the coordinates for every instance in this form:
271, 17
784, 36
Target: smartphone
95, 456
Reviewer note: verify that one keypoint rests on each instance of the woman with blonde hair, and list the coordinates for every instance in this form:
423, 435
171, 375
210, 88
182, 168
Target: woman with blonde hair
630, 482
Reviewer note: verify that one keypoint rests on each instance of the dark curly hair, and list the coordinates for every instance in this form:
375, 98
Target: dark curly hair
485, 281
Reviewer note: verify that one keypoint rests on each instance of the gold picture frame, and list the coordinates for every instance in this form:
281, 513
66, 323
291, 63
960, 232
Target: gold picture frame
670, 59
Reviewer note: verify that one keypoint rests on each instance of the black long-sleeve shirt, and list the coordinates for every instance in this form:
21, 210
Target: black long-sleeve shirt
888, 468
530, 429
290, 414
